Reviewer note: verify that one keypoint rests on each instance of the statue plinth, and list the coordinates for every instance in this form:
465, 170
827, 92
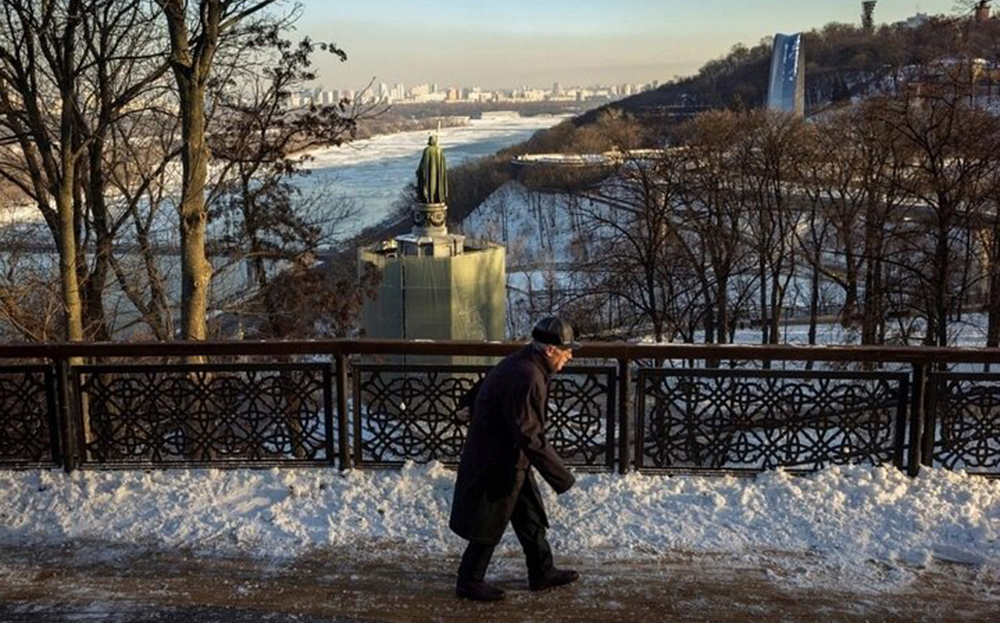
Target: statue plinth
429, 236
429, 219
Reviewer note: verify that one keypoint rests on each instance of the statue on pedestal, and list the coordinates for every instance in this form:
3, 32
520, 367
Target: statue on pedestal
432, 176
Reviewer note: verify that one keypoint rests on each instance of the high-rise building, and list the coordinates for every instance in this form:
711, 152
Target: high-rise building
868, 15
787, 87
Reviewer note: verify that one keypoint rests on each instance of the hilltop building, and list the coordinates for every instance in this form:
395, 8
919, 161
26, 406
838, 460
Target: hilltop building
983, 11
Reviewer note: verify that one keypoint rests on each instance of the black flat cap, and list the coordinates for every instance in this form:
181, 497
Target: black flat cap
556, 332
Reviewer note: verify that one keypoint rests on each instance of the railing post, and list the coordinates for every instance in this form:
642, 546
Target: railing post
611, 423
53, 417
930, 422
67, 427
342, 419
329, 373
917, 417
624, 415
899, 441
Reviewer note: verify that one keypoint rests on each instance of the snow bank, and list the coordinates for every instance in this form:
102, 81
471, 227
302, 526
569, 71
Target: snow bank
849, 518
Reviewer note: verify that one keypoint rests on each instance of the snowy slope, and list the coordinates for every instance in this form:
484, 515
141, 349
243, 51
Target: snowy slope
862, 524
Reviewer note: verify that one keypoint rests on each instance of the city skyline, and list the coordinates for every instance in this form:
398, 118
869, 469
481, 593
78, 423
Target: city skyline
534, 44
401, 93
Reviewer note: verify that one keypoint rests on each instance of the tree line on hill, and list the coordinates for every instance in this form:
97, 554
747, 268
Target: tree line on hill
884, 215
843, 61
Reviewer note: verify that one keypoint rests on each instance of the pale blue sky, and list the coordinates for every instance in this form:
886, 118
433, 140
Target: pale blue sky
509, 43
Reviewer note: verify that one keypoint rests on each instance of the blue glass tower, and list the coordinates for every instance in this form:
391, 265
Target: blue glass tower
787, 87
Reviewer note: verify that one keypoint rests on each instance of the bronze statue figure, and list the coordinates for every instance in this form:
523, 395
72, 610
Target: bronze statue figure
432, 176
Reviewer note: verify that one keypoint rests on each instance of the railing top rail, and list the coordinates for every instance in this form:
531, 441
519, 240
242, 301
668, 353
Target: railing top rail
590, 350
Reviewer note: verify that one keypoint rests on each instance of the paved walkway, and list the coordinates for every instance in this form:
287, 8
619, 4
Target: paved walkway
101, 582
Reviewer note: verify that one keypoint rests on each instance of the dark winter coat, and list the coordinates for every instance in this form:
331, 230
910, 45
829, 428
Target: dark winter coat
506, 436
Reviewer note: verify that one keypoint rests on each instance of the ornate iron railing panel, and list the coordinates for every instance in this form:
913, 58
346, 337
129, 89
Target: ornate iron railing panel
29, 433
582, 415
213, 414
965, 422
409, 413
739, 420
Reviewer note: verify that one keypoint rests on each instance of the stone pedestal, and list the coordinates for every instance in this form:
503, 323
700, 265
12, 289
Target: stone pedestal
429, 219
429, 236
448, 245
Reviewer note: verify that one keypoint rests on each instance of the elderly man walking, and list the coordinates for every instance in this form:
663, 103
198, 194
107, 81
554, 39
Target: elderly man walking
495, 482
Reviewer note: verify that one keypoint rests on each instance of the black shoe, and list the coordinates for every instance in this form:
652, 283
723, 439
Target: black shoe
552, 578
478, 591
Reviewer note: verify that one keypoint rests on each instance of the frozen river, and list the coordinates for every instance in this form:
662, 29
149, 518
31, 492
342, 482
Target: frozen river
371, 173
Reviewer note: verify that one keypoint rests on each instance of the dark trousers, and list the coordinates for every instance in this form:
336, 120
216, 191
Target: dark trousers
529, 527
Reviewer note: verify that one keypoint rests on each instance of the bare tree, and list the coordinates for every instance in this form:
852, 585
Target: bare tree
714, 145
776, 145
70, 71
197, 31
635, 255
270, 223
949, 149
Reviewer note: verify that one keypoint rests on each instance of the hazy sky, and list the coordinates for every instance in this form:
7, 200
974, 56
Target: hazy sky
509, 43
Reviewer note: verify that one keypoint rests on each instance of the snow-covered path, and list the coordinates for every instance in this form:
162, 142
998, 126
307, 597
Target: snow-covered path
107, 582
865, 529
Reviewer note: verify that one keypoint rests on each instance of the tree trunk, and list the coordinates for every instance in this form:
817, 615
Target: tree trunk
813, 305
940, 305
765, 323
196, 272
72, 304
872, 310
192, 66
993, 304
65, 204
722, 303
96, 324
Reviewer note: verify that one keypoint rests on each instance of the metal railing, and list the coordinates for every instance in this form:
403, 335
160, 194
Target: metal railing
675, 408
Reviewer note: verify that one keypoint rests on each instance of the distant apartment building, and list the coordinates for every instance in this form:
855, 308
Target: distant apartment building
915, 21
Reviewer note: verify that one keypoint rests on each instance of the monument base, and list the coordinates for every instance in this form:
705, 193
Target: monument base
448, 245
429, 219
